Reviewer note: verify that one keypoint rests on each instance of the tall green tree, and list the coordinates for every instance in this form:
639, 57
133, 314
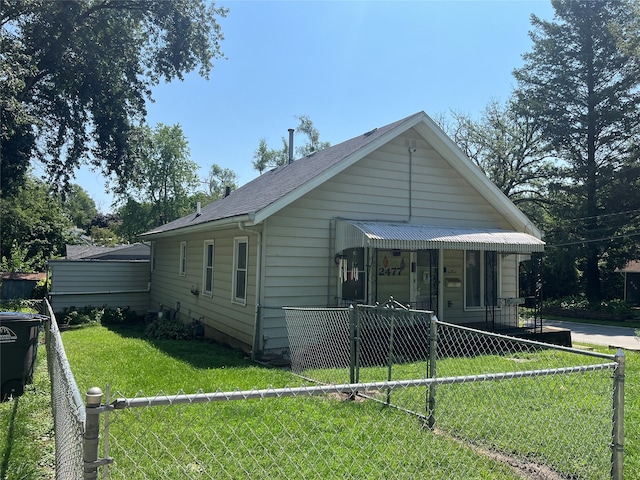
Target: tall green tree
76, 75
581, 84
166, 176
79, 207
265, 157
507, 145
219, 179
34, 227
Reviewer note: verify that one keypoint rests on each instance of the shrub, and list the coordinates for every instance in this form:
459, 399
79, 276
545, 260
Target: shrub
115, 316
614, 307
89, 315
41, 289
170, 329
79, 316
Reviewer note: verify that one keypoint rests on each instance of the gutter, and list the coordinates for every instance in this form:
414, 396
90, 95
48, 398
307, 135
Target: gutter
199, 227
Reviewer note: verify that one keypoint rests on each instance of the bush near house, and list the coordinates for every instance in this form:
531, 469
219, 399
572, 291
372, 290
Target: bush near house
95, 315
162, 327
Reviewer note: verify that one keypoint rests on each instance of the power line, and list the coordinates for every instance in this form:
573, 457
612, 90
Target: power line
604, 215
582, 242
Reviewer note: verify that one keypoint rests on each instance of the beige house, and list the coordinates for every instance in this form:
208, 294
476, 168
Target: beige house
397, 211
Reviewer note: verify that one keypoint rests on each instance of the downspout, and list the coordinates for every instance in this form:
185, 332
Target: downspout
256, 323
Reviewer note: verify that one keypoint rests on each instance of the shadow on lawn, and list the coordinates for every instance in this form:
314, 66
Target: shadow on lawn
199, 353
6, 455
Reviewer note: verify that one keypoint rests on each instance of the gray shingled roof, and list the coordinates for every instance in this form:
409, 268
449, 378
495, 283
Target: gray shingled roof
136, 251
277, 183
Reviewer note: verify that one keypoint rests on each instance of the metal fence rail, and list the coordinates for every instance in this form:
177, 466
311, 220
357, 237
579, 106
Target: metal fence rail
396, 394
506, 402
66, 402
350, 431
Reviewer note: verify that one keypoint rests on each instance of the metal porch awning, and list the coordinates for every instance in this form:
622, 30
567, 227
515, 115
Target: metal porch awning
403, 236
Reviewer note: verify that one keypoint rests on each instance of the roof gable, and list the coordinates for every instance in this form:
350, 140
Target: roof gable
279, 187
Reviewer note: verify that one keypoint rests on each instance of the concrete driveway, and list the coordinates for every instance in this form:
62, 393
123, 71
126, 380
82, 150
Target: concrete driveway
615, 337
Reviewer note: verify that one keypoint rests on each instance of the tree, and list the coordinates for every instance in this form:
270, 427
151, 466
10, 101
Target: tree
581, 84
76, 75
34, 226
306, 126
166, 176
218, 181
104, 230
137, 217
508, 147
79, 207
265, 157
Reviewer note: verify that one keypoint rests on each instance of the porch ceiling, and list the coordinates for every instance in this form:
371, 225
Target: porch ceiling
352, 234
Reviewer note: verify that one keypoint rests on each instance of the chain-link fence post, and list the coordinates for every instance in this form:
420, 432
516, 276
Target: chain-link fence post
433, 350
390, 355
353, 333
617, 444
92, 433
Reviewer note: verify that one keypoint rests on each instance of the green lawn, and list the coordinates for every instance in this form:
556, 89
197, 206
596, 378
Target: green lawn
26, 429
131, 364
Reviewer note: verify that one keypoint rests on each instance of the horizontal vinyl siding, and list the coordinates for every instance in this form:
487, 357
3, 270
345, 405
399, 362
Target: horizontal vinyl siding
217, 311
80, 283
299, 267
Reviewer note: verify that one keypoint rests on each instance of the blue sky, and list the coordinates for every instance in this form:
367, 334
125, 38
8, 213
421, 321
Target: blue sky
350, 66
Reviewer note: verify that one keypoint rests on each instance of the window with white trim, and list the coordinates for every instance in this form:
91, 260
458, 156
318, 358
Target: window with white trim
240, 261
480, 278
183, 258
207, 268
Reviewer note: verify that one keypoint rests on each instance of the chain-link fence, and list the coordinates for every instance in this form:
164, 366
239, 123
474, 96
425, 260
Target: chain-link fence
388, 393
66, 402
542, 407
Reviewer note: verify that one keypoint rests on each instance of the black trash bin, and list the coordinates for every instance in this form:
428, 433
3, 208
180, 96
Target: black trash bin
18, 350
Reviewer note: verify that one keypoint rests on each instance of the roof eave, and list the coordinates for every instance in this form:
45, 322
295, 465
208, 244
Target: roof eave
463, 165
336, 169
219, 224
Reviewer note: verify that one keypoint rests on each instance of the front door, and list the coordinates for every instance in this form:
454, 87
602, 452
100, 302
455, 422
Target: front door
392, 276
427, 280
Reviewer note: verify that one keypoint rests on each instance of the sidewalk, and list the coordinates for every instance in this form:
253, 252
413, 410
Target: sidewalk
614, 337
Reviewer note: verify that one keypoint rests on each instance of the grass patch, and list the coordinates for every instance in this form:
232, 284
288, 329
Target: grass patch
26, 429
294, 437
308, 437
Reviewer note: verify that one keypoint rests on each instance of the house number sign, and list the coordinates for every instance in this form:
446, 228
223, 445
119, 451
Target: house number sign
387, 271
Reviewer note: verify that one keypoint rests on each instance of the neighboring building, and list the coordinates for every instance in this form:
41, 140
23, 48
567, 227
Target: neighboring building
398, 211
101, 276
19, 285
631, 274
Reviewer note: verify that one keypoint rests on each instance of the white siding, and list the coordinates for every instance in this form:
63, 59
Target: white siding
112, 283
299, 267
223, 319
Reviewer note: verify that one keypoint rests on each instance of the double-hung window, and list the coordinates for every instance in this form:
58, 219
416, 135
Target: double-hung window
183, 259
481, 278
240, 261
207, 268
